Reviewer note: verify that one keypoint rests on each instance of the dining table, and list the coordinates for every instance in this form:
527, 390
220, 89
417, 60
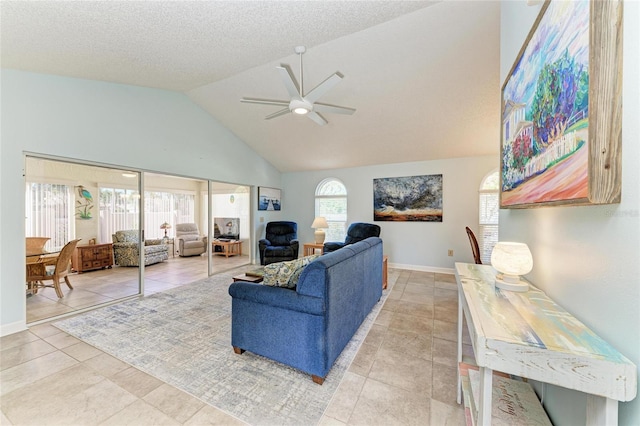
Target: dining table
35, 261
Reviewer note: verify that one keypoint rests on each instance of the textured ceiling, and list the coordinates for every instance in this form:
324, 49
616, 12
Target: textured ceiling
422, 75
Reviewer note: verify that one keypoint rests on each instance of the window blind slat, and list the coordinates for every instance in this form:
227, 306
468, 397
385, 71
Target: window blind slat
49, 209
119, 211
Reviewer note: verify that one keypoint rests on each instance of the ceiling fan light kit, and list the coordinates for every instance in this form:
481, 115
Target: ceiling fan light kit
301, 103
300, 107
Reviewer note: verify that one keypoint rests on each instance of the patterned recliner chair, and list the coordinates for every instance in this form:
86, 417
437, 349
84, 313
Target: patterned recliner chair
125, 249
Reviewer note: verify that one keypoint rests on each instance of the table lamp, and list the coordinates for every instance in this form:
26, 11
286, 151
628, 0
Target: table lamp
165, 226
511, 260
318, 224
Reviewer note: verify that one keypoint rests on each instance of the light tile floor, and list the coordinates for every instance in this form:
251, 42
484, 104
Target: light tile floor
404, 373
106, 285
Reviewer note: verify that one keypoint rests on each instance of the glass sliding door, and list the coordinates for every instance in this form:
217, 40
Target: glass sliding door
175, 216
67, 201
139, 232
231, 226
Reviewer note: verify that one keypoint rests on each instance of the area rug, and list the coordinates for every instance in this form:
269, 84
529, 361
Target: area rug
183, 337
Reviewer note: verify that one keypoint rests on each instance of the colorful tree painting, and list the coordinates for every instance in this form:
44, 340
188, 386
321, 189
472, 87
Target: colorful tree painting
546, 106
554, 104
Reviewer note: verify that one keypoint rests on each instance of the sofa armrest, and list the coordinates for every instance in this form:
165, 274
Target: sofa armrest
153, 242
277, 297
262, 245
264, 242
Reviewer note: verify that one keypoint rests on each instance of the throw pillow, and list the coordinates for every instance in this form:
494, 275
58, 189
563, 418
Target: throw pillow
286, 274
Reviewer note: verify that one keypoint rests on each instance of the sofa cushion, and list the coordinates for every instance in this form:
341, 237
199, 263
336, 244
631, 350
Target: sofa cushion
126, 236
155, 249
190, 237
286, 274
194, 244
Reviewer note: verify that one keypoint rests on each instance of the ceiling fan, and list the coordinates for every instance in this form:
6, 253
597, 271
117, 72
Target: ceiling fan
301, 103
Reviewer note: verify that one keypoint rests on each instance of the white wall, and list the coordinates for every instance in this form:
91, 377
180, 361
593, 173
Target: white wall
588, 258
109, 123
413, 245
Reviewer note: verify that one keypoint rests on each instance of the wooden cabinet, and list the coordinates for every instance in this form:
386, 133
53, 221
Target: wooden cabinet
89, 257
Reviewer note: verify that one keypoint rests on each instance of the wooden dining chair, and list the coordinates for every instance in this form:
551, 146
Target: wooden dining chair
38, 273
35, 247
474, 246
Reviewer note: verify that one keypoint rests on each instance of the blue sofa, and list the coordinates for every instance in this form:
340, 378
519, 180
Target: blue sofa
308, 327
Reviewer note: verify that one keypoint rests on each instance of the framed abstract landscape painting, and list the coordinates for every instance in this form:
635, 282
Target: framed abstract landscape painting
408, 199
562, 109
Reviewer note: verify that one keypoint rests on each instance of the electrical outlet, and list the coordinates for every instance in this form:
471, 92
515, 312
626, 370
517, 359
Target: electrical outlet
450, 252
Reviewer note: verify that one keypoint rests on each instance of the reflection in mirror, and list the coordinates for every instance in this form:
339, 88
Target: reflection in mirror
231, 239
66, 201
100, 206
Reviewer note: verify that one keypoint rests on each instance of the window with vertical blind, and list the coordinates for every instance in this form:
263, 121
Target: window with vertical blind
119, 211
489, 214
170, 207
331, 203
49, 209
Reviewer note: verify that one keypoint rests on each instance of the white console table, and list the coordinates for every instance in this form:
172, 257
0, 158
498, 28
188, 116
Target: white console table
529, 335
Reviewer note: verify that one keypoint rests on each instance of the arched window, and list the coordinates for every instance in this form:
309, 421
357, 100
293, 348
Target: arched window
331, 202
489, 214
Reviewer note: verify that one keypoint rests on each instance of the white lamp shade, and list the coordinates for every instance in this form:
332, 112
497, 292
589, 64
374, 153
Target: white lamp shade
319, 222
512, 260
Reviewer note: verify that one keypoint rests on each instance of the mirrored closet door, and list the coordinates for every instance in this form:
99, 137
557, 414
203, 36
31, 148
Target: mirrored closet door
87, 217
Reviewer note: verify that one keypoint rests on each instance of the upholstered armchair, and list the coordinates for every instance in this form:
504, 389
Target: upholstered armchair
126, 253
280, 243
357, 231
189, 240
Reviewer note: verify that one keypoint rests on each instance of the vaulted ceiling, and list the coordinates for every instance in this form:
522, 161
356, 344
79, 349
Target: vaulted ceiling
423, 76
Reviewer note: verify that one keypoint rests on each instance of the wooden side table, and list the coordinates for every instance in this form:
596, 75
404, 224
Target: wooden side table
310, 249
171, 242
229, 248
248, 278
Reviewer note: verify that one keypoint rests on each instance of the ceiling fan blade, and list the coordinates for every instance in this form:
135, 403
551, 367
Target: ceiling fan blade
323, 87
289, 81
264, 101
317, 118
333, 109
278, 113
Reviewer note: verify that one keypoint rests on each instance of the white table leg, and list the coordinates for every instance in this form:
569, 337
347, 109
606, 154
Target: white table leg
601, 411
484, 405
459, 397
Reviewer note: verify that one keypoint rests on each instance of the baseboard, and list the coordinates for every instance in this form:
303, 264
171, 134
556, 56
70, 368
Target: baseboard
14, 327
422, 268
